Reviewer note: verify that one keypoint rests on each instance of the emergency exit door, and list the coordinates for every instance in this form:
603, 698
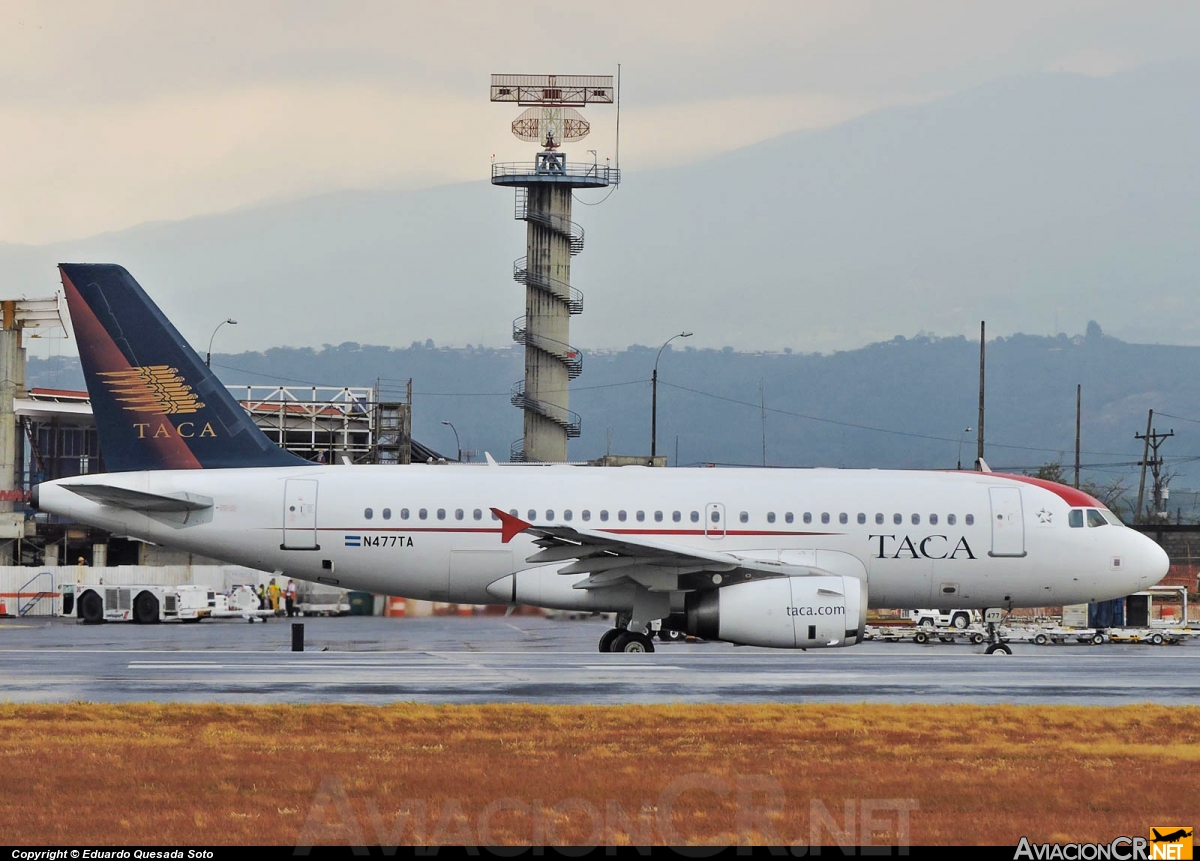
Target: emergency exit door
1008, 522
300, 514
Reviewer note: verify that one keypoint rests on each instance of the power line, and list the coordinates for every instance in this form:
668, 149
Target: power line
873, 428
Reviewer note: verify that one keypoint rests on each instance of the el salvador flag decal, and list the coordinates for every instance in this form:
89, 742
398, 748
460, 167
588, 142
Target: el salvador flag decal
354, 541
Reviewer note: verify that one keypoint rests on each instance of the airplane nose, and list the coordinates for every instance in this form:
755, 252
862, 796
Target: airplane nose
1160, 564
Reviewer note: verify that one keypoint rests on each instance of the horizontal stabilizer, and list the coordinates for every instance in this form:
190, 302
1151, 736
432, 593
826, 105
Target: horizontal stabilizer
139, 500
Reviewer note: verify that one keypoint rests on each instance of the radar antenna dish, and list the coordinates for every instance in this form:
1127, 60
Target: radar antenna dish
551, 126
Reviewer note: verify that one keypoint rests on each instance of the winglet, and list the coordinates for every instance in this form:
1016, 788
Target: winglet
509, 526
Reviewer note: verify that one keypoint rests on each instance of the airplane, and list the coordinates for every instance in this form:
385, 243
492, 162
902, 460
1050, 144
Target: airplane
1172, 837
786, 558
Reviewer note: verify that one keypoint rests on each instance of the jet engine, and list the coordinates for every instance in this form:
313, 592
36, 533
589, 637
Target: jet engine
783, 612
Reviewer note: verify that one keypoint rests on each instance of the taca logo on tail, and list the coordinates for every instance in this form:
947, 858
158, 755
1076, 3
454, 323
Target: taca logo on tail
157, 406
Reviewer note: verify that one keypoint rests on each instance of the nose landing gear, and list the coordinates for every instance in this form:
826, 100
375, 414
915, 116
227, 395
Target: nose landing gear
996, 646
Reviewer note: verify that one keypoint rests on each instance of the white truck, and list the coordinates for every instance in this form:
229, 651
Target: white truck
960, 619
146, 604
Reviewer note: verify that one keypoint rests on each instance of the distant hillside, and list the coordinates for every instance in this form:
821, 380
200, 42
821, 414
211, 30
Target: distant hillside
1036, 203
919, 393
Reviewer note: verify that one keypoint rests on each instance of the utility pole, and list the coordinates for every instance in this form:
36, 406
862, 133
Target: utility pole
1137, 512
979, 445
1078, 402
1153, 439
762, 403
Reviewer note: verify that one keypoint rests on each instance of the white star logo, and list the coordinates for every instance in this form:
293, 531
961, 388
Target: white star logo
1045, 516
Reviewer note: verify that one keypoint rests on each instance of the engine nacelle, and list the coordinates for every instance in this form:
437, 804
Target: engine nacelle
783, 612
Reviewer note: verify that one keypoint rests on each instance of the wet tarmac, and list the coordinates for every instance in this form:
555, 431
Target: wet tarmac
534, 660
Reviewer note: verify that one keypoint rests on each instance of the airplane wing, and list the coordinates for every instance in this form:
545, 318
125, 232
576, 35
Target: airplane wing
138, 500
609, 559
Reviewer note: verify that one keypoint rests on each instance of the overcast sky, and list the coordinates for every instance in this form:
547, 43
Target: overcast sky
114, 114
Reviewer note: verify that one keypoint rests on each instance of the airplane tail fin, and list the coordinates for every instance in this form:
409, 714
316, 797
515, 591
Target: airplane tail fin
1157, 836
156, 404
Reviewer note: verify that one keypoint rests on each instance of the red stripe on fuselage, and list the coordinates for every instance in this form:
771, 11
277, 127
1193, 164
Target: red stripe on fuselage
97, 348
1073, 497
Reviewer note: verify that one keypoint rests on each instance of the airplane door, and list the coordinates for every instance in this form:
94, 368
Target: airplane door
714, 520
300, 514
1008, 522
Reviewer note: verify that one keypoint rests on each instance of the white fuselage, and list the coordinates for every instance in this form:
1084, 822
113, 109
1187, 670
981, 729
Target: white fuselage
920, 539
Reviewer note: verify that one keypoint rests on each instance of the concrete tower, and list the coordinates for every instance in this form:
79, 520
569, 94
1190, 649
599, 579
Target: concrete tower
543, 201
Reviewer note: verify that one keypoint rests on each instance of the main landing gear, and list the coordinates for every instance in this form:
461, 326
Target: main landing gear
616, 640
620, 639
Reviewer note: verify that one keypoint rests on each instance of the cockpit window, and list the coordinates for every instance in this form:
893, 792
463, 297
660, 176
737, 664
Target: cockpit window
1111, 518
1095, 518
1075, 518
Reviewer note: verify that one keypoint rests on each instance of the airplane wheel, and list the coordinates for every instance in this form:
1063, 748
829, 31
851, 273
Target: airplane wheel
630, 642
91, 608
606, 639
1041, 639
977, 638
998, 649
921, 637
145, 609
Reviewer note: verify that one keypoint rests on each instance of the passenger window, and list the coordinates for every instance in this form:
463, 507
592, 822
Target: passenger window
970, 519
513, 512
532, 515
423, 513
770, 517
677, 516
567, 515
368, 513
441, 514
951, 519
824, 516
695, 517
789, 517
716, 516
879, 518
933, 520
458, 514
744, 517
1095, 518
387, 514
916, 520
641, 517
1075, 518
477, 514
404, 514
897, 519
604, 514
843, 518
862, 518
808, 517
549, 513
585, 514
658, 517
621, 515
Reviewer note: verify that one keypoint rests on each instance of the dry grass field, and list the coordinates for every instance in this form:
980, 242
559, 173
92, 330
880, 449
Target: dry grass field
167, 774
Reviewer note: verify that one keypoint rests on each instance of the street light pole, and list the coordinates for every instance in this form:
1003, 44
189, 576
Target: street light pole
961, 437
457, 445
654, 394
208, 355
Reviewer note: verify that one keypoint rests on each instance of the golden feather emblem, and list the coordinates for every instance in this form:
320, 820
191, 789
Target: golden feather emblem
156, 389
